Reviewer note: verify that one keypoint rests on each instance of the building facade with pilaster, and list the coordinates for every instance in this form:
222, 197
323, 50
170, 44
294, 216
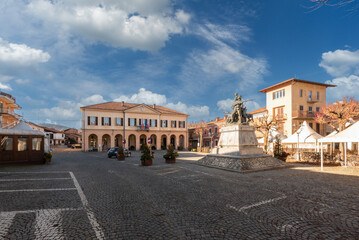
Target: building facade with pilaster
114, 124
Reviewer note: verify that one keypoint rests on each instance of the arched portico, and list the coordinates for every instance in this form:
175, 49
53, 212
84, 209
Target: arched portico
181, 141
173, 140
106, 142
153, 142
93, 142
143, 139
118, 140
132, 142
163, 141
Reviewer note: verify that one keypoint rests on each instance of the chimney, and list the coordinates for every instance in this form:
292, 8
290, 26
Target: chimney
225, 117
123, 103
217, 119
154, 106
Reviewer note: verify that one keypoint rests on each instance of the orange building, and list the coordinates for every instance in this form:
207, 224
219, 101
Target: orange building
294, 101
7, 106
107, 125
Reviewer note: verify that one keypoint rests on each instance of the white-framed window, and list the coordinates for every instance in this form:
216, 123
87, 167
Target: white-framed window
106, 121
132, 122
119, 121
279, 94
164, 123
173, 124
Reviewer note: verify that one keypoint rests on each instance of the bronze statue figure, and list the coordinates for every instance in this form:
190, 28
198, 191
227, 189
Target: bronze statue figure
239, 113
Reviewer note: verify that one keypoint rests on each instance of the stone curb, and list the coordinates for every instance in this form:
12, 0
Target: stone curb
245, 171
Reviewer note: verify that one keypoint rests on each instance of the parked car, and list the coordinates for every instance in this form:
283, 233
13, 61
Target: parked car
77, 145
113, 152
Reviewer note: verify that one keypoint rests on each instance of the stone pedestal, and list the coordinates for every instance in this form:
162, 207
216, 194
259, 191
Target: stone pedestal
238, 151
237, 140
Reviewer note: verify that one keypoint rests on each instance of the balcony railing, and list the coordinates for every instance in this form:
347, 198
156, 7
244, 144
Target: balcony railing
143, 128
311, 100
8, 96
10, 112
281, 116
303, 114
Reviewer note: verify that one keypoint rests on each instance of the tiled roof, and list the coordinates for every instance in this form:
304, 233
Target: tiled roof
289, 81
122, 106
263, 109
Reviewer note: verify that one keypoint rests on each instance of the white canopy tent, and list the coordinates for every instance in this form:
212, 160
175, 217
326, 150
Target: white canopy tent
304, 135
273, 135
351, 134
21, 129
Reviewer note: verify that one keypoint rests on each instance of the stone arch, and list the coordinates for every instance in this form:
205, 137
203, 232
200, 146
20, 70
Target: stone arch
132, 142
173, 140
164, 141
143, 139
106, 142
93, 142
153, 142
181, 141
118, 140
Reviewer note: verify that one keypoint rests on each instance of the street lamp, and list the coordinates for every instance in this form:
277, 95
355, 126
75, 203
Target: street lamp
298, 132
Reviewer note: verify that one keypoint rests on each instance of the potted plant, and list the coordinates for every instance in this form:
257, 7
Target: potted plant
120, 154
146, 157
48, 156
171, 155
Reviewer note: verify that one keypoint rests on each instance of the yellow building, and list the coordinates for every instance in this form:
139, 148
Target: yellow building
7, 106
106, 125
294, 101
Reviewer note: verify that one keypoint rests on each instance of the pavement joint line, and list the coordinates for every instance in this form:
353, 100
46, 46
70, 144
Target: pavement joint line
32, 179
34, 172
39, 210
38, 190
173, 171
256, 204
91, 216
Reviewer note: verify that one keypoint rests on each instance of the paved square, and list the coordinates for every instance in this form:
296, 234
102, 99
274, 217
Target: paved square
89, 196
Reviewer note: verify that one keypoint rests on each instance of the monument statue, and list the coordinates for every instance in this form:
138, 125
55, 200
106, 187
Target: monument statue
237, 147
239, 113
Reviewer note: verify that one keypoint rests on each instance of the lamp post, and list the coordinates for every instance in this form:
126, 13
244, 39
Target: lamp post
298, 132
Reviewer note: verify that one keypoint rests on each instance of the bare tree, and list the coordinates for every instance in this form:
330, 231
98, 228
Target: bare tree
199, 129
320, 3
264, 125
338, 114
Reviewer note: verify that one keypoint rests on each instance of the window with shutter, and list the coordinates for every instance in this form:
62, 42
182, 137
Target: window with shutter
88, 120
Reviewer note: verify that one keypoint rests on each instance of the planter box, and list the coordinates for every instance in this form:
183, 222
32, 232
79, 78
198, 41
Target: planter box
120, 157
147, 162
170, 160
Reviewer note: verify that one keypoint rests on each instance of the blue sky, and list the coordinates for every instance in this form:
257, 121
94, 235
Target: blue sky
56, 56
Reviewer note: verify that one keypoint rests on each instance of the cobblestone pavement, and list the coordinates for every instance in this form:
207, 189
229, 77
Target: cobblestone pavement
89, 196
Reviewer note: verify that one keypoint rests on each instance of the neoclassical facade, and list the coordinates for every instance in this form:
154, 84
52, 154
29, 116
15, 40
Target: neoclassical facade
113, 124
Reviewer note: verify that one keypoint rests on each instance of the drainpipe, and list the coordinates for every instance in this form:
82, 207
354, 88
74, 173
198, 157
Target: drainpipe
124, 132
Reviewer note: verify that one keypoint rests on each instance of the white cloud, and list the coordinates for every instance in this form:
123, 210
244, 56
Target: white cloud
139, 25
5, 87
94, 99
22, 81
223, 64
340, 62
148, 97
226, 105
20, 55
144, 96
193, 111
346, 87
